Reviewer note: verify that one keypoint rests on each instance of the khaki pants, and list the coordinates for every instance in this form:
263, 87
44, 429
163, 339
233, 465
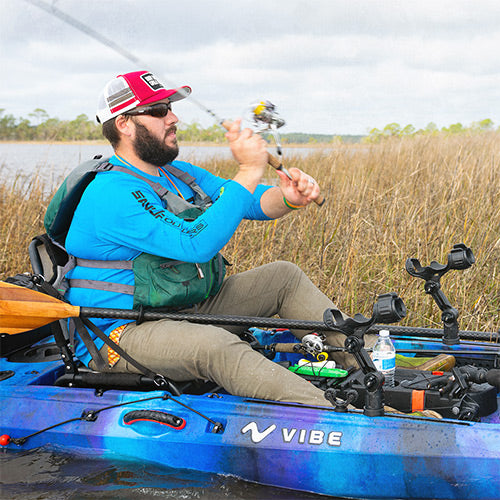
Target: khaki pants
185, 351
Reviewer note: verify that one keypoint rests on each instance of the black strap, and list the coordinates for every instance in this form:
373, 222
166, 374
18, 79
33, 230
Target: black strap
160, 380
34, 282
101, 365
46, 287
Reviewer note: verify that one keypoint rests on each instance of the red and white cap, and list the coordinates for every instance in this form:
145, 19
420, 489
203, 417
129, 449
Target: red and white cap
128, 91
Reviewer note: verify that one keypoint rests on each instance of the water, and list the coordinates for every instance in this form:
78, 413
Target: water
43, 474
52, 161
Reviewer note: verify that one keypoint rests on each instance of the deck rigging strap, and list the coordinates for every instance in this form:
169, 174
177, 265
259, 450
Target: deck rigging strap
91, 416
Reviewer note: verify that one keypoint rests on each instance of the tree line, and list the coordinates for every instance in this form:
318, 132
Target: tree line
395, 130
39, 126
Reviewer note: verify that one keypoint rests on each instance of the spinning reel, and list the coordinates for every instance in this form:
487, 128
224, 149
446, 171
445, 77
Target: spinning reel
263, 117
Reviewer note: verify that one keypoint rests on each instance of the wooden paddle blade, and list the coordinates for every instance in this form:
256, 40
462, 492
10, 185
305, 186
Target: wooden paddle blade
22, 309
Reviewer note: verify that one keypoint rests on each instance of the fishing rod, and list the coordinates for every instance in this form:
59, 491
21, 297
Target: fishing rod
273, 161
52, 9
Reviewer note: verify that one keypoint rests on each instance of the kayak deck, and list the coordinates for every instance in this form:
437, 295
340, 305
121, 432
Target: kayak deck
313, 449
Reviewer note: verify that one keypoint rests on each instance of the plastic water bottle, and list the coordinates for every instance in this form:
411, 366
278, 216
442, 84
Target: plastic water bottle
384, 357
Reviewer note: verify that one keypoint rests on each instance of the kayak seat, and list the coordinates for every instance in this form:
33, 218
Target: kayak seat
48, 259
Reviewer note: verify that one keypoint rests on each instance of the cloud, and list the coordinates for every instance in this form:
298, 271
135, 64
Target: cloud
330, 66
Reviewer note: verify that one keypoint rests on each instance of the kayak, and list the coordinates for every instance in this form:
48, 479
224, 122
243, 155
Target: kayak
326, 450
434, 434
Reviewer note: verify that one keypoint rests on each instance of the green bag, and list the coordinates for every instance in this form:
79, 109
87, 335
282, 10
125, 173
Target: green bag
161, 282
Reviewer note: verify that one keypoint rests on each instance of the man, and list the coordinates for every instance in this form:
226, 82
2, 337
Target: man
121, 218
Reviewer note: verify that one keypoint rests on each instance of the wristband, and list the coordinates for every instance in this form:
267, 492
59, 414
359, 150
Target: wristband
289, 205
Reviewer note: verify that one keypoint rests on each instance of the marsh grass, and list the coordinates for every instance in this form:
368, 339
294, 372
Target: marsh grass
385, 203
23, 201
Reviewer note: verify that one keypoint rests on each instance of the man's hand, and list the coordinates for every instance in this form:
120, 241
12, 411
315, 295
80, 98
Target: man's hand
250, 151
300, 190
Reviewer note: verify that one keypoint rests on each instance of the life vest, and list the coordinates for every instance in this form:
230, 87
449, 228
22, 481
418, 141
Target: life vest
158, 281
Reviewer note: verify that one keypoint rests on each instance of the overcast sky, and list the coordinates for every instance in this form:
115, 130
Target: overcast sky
329, 66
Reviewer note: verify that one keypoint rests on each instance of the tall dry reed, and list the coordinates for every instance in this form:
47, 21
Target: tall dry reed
23, 201
385, 203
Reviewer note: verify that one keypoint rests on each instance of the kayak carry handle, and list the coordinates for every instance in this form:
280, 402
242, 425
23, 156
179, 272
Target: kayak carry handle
154, 416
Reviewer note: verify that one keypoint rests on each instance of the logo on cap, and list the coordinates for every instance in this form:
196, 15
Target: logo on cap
152, 82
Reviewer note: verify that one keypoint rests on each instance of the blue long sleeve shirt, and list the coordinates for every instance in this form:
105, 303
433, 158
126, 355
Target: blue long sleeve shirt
119, 217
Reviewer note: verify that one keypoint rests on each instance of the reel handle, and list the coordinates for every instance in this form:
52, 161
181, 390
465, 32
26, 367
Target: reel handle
277, 165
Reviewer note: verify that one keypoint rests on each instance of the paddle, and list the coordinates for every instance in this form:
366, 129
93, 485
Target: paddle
23, 309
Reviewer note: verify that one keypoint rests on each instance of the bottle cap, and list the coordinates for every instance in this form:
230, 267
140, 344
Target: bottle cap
384, 333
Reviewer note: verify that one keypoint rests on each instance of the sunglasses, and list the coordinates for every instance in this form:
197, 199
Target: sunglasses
159, 110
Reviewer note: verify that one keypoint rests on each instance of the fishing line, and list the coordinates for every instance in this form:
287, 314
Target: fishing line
52, 9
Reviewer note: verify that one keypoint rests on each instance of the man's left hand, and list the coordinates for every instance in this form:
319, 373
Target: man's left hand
301, 189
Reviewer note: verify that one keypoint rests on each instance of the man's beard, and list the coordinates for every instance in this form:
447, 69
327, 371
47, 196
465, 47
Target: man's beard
151, 149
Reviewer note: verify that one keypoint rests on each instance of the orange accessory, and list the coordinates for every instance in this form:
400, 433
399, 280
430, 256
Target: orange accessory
113, 357
172, 182
417, 400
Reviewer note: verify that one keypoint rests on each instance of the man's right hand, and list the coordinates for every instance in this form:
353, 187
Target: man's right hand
250, 151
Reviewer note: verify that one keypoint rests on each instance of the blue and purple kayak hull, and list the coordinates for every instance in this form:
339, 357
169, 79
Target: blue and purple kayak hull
279, 444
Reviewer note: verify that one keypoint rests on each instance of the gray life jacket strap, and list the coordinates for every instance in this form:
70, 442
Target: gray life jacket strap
203, 199
180, 174
96, 284
157, 187
107, 286
174, 203
105, 264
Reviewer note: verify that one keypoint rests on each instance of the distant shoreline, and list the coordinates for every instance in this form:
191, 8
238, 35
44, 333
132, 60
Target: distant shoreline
181, 143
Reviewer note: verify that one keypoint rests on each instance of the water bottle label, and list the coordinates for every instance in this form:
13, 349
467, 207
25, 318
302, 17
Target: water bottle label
385, 364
